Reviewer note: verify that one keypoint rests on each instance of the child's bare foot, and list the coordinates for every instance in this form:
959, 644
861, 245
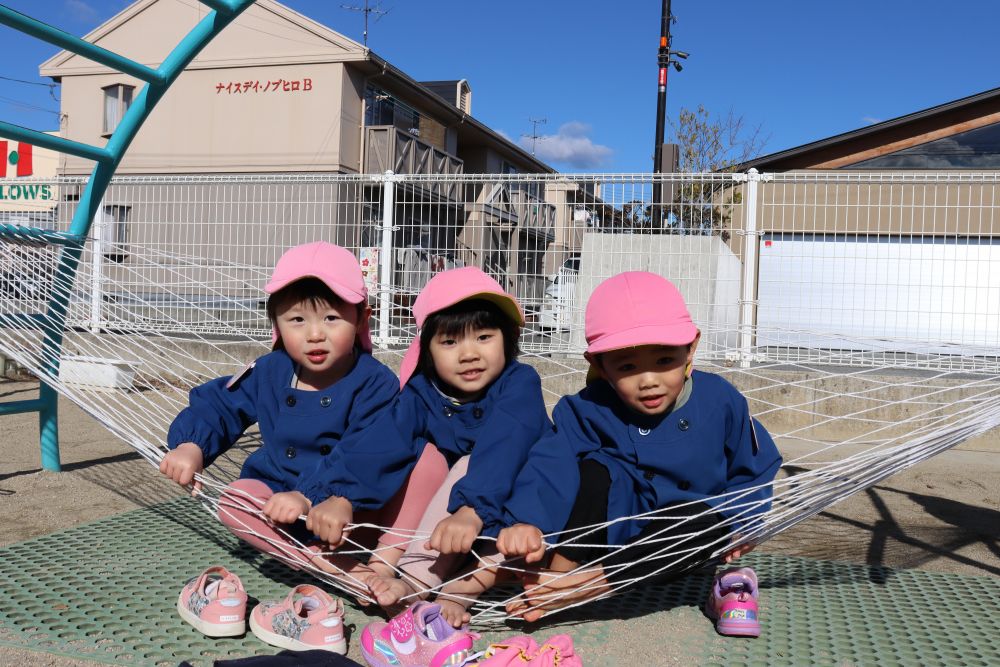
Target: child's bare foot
548, 590
454, 612
389, 590
380, 569
349, 572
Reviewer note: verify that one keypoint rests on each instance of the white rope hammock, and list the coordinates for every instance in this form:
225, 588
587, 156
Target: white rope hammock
844, 421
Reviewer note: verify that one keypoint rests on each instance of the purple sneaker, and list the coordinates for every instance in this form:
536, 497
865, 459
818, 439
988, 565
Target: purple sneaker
417, 636
732, 603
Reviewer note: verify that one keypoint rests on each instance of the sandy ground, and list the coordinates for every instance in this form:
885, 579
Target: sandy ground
942, 514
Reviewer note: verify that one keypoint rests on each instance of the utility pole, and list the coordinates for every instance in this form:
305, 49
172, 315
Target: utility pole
376, 10
663, 60
534, 136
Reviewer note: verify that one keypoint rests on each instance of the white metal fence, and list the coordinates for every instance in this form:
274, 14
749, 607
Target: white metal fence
840, 267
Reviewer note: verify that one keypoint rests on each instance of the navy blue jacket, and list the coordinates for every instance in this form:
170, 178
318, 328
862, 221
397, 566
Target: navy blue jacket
497, 431
707, 447
299, 428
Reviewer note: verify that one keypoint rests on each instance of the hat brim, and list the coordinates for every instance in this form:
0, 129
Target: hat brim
678, 334
506, 303
345, 293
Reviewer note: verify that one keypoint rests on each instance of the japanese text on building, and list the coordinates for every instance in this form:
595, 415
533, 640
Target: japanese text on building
267, 86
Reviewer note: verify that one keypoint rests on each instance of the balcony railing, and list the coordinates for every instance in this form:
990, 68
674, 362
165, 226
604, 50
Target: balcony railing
389, 148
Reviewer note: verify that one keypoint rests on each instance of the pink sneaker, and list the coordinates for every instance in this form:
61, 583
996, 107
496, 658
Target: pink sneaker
417, 636
732, 603
306, 619
523, 651
215, 603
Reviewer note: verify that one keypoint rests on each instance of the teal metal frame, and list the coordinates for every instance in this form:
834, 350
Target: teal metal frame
107, 159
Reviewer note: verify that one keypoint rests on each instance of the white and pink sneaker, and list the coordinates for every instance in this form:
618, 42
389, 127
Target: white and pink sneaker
308, 618
215, 603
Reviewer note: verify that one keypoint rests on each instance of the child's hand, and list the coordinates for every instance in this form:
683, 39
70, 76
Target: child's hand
456, 533
182, 463
286, 507
736, 552
328, 519
522, 539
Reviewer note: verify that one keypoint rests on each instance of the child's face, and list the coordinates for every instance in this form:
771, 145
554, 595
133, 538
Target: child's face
648, 379
468, 363
319, 338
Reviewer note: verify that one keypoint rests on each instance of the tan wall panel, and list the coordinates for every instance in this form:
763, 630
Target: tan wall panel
881, 208
198, 127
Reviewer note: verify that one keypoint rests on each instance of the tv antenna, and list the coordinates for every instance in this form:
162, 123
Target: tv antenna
368, 10
534, 136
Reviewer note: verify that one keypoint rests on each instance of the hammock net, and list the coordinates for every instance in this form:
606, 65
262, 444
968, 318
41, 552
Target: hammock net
858, 312
175, 300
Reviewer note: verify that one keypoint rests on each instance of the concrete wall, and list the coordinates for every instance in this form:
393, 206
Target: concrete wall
704, 269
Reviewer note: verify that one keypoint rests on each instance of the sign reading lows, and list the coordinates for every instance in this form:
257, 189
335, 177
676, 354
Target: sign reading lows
19, 160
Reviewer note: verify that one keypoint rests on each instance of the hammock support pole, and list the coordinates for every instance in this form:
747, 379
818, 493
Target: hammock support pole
107, 160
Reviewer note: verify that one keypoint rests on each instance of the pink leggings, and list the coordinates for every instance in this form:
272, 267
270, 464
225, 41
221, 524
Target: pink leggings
241, 502
428, 567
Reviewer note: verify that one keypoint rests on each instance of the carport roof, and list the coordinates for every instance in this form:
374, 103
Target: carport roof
842, 150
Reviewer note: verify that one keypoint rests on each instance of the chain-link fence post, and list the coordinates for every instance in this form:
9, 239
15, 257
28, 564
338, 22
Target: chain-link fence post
98, 232
385, 257
748, 302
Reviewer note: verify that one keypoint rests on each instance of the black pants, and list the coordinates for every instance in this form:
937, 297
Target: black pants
591, 507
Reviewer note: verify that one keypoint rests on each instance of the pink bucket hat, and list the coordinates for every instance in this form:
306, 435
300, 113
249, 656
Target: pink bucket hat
335, 266
446, 289
637, 308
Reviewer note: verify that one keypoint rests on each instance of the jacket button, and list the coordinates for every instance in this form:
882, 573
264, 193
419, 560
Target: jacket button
448, 412
683, 424
477, 413
649, 474
325, 449
325, 401
290, 401
684, 485
290, 452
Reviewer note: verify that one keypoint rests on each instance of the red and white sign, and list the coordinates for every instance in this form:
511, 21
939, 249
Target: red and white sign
20, 158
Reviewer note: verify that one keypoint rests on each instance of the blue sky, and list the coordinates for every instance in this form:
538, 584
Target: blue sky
802, 70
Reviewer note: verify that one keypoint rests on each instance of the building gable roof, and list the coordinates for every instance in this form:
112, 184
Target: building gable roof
280, 36
843, 150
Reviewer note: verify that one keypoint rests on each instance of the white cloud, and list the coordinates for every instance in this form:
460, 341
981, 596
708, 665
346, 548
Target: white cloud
870, 120
80, 10
570, 145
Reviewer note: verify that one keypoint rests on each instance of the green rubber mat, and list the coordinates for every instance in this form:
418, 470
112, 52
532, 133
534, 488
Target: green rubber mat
107, 591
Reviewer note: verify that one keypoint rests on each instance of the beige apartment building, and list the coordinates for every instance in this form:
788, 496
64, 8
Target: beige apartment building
279, 94
275, 93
